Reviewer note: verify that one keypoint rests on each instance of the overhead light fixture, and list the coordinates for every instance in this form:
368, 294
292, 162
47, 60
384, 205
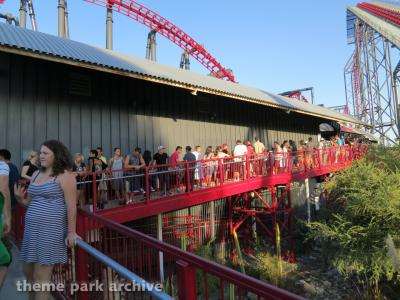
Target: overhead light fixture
194, 92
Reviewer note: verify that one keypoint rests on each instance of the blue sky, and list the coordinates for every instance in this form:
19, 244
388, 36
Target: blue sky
272, 45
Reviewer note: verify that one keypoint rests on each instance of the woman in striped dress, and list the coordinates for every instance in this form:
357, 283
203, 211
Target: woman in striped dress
50, 220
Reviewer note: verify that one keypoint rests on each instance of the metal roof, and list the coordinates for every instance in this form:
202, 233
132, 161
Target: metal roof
359, 131
48, 47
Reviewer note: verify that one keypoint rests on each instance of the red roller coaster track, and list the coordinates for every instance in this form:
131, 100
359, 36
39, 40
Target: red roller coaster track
154, 21
390, 15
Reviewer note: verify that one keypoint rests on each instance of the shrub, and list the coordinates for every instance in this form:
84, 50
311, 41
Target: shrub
367, 198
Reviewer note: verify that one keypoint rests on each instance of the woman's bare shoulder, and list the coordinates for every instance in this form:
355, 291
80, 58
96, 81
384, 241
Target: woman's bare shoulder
66, 176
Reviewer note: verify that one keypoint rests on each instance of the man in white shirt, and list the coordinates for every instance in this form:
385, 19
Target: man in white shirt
239, 150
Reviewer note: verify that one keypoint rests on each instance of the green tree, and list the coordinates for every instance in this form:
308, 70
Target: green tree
364, 209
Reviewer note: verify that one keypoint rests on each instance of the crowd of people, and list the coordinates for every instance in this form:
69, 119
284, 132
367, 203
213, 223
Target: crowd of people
123, 175
203, 168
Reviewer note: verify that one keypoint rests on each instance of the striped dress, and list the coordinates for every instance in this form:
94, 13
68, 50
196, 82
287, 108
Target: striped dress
45, 225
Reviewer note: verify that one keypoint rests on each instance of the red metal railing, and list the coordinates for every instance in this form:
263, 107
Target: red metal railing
112, 189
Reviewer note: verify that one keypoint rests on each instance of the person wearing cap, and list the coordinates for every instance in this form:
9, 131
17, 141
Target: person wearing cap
160, 159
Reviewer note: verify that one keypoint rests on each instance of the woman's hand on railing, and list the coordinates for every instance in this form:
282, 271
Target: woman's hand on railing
70, 240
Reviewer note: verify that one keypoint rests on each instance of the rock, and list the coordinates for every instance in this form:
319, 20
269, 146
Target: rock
307, 287
326, 284
301, 282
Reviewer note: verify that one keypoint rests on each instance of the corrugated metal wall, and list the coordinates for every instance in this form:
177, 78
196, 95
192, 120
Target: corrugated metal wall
36, 104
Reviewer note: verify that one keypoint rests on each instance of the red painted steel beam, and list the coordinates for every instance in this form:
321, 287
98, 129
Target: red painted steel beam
389, 15
154, 21
176, 202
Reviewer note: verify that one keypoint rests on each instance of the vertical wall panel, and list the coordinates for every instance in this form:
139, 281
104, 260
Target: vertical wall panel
150, 130
40, 108
86, 127
4, 96
123, 116
136, 116
64, 111
52, 123
115, 119
14, 108
95, 125
162, 98
105, 104
27, 107
172, 138
76, 128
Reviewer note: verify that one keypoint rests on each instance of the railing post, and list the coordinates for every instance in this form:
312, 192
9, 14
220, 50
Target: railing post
186, 281
81, 261
147, 183
221, 171
187, 175
271, 164
247, 166
94, 191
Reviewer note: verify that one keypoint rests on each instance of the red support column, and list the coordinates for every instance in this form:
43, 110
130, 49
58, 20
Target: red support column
186, 281
273, 212
230, 212
292, 258
81, 260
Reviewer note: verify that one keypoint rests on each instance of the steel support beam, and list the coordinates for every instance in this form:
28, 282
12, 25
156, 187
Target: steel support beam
61, 18
109, 29
32, 15
66, 22
22, 13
